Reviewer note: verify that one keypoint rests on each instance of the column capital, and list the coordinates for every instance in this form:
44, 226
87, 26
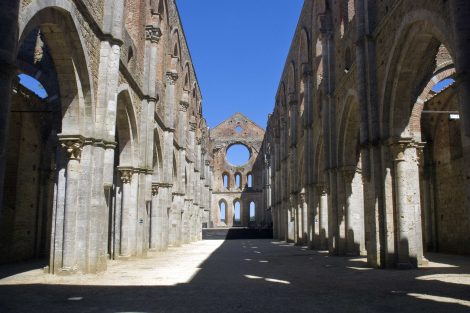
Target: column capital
155, 187
349, 172
126, 174
73, 145
153, 33
322, 189
171, 77
184, 105
293, 98
306, 70
399, 146
302, 197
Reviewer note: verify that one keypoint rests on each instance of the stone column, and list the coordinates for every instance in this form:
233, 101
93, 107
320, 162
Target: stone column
291, 231
333, 216
156, 220
341, 200
165, 200
73, 147
171, 78
128, 213
298, 221
8, 49
312, 217
303, 211
408, 206
354, 216
323, 216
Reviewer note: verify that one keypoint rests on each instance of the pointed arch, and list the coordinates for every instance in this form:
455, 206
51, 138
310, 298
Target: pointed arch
59, 24
126, 128
421, 32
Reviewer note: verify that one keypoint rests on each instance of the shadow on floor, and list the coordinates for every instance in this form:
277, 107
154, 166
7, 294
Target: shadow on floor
234, 233
259, 275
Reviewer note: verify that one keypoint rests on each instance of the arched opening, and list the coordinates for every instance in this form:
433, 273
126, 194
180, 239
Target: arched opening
122, 215
226, 180
250, 180
350, 156
53, 97
429, 185
252, 212
223, 212
238, 154
238, 180
237, 213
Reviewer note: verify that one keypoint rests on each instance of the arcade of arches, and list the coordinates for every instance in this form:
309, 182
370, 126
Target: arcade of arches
367, 151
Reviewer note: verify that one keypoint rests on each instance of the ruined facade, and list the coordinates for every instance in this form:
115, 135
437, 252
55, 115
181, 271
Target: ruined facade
367, 155
113, 162
239, 191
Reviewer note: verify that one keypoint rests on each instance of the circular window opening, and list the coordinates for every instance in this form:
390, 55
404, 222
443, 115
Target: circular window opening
238, 129
238, 155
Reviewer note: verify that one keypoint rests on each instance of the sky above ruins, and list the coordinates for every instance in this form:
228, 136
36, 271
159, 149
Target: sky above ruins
239, 49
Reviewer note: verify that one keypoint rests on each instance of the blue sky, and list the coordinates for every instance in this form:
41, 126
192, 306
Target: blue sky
239, 49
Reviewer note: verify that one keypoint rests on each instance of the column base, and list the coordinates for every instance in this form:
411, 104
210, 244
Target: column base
67, 271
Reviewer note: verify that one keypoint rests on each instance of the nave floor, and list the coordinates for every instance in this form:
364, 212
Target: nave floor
256, 275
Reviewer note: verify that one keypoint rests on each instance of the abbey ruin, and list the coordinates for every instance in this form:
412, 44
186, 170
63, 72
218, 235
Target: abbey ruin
367, 158
114, 161
364, 155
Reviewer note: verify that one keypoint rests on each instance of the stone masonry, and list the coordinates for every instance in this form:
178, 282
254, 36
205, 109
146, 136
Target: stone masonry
250, 192
367, 157
114, 161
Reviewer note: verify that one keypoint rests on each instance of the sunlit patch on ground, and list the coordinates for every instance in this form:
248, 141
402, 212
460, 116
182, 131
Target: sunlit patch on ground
439, 299
459, 279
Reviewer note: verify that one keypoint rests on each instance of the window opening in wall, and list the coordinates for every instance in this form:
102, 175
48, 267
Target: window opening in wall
252, 212
238, 154
225, 178
33, 85
222, 207
238, 180
239, 129
237, 213
250, 180
443, 84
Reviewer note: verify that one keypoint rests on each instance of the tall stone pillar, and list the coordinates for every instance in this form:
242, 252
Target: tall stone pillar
8, 49
341, 199
291, 216
73, 147
333, 215
128, 213
312, 217
304, 219
298, 222
165, 209
408, 206
323, 216
156, 220
354, 211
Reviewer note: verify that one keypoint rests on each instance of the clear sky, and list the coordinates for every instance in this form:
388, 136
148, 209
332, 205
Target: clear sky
239, 49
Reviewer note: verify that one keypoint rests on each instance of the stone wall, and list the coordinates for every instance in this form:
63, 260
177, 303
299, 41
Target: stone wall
349, 136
